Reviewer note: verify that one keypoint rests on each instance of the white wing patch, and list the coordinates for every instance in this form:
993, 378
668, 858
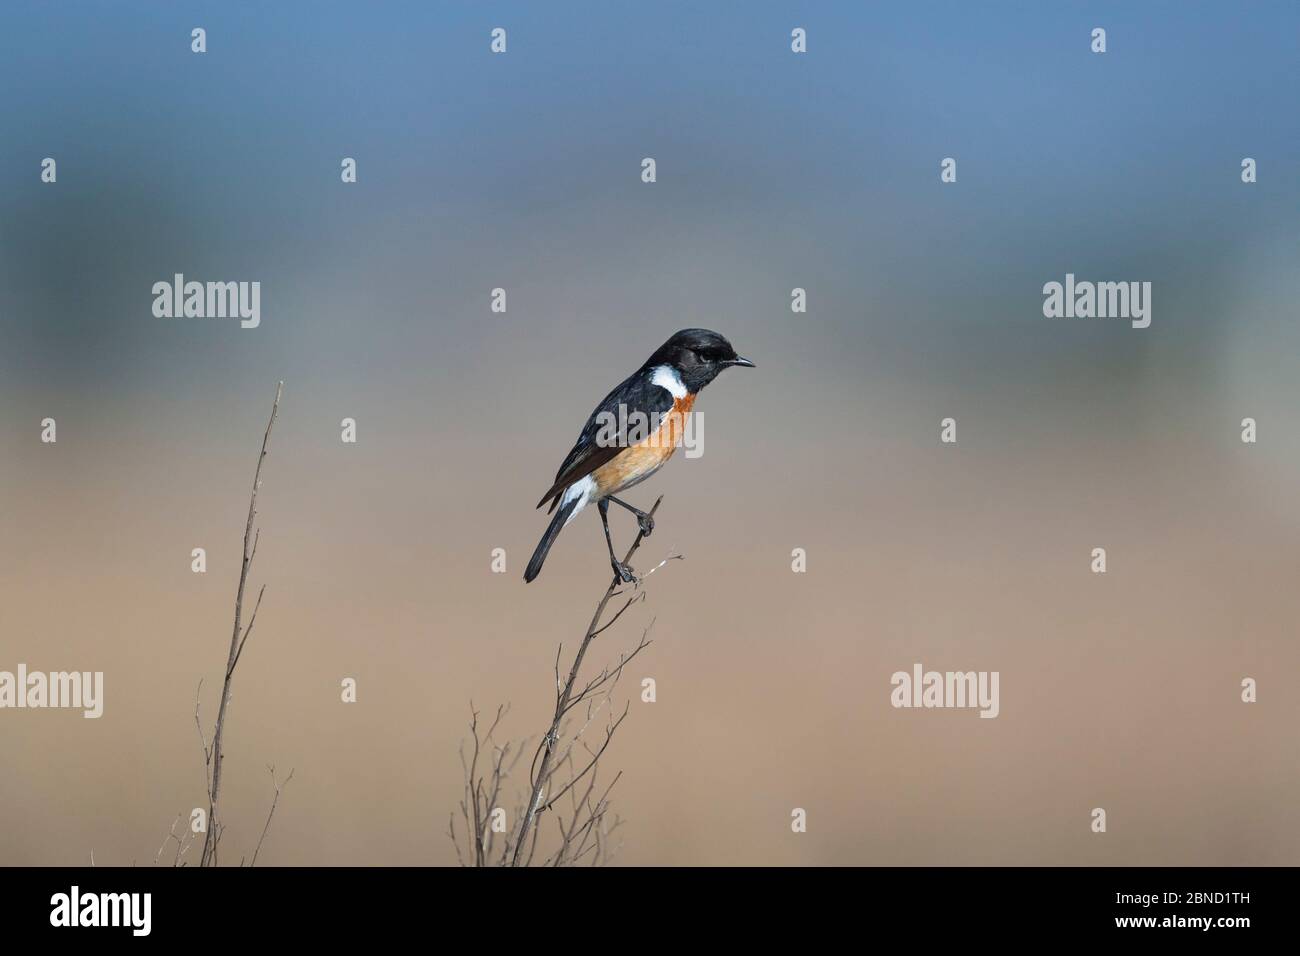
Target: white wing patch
581, 492
665, 376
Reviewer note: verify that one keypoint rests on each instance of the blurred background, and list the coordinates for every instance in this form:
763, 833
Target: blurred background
775, 170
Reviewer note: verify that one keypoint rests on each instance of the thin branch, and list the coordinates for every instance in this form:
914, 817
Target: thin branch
181, 844
209, 855
549, 742
613, 620
609, 735
581, 820
608, 676
251, 621
274, 801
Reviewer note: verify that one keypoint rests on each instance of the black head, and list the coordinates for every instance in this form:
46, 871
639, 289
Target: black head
698, 355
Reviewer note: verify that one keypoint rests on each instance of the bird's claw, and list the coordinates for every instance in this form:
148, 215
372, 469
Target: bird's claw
646, 524
623, 572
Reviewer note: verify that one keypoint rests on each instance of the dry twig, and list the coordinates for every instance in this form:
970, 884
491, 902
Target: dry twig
274, 800
564, 765
213, 754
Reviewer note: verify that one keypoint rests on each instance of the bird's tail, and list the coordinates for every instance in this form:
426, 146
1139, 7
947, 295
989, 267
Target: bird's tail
548, 539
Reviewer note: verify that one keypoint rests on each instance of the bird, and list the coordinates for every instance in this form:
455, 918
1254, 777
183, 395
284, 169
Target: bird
631, 434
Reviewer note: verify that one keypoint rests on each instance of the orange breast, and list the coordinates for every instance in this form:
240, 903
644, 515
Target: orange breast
638, 462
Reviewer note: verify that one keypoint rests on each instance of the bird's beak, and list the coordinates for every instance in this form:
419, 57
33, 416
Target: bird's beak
738, 360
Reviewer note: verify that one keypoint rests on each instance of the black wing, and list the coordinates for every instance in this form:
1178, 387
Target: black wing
636, 394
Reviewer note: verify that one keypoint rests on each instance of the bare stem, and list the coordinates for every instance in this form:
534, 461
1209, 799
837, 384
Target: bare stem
237, 638
549, 743
274, 800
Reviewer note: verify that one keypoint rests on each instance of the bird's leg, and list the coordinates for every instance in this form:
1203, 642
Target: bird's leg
646, 523
621, 570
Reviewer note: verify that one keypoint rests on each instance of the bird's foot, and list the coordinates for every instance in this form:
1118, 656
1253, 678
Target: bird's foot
646, 524
623, 573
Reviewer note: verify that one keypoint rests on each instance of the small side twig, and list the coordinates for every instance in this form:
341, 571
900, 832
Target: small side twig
274, 800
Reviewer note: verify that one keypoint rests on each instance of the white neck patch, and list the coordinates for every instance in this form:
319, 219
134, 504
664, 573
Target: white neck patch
665, 376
